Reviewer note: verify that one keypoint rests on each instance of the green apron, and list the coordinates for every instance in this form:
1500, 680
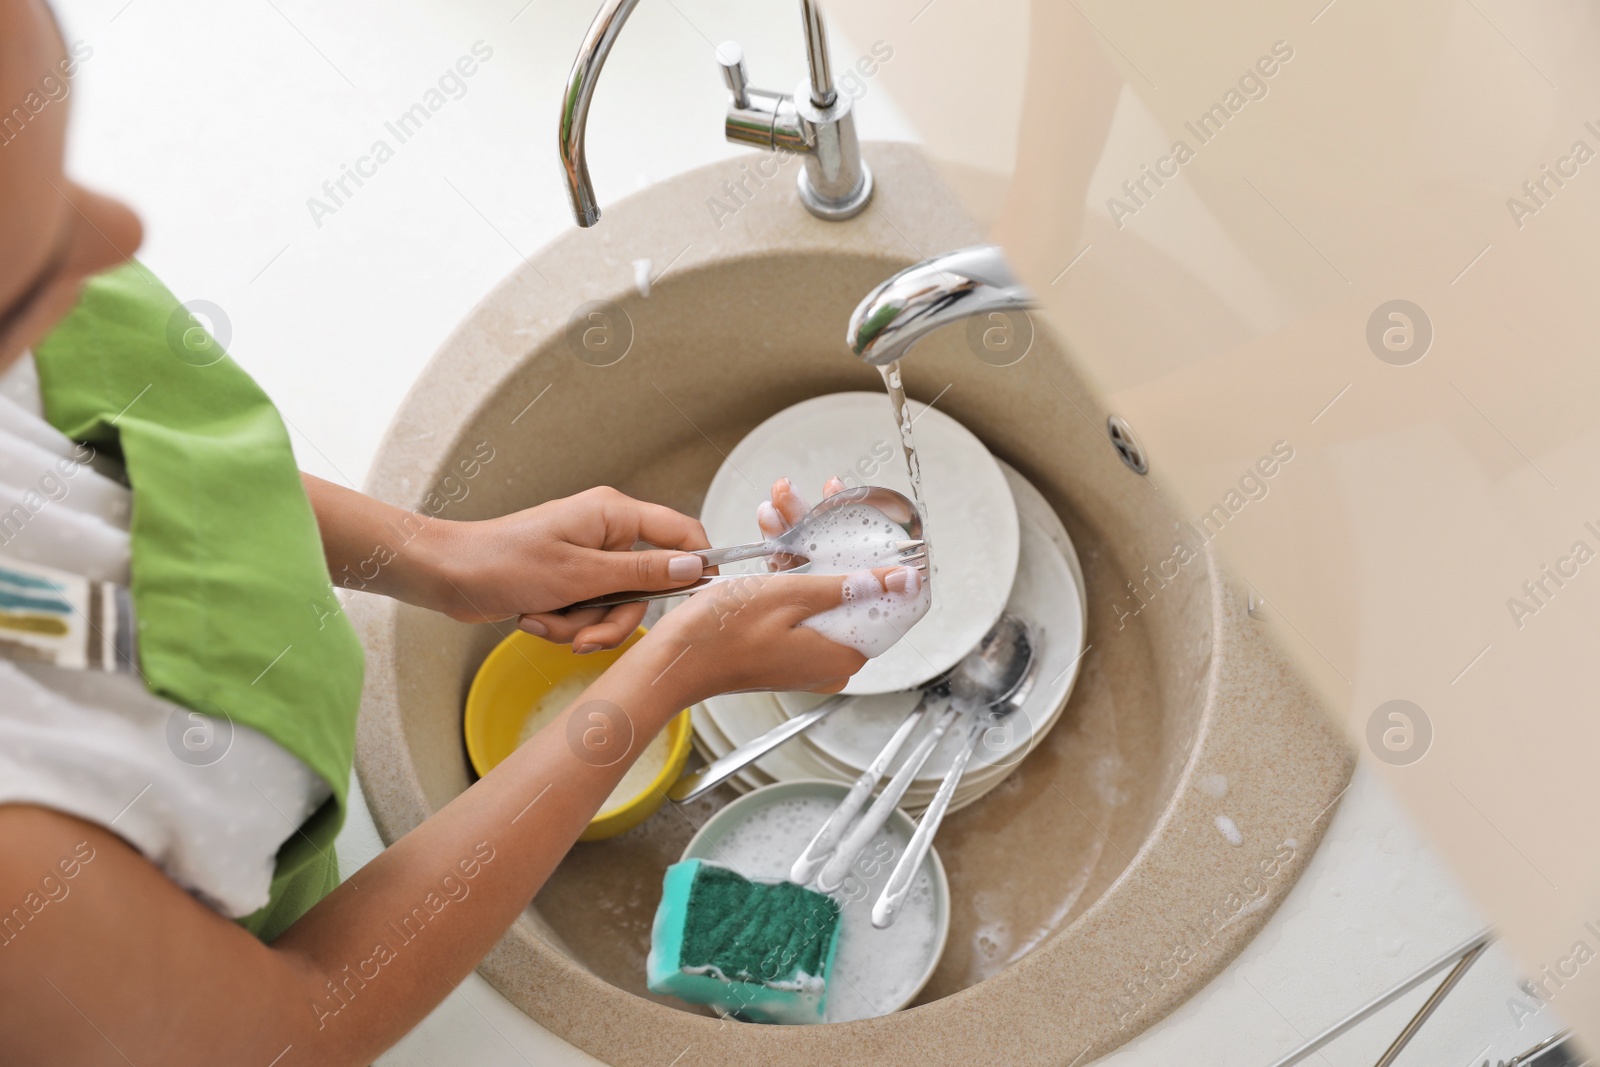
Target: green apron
236, 614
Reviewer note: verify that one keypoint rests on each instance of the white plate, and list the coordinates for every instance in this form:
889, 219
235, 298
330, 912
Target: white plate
875, 972
1048, 592
711, 743
742, 717
971, 520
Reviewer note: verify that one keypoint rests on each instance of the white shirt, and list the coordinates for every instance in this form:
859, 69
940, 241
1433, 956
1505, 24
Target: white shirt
207, 801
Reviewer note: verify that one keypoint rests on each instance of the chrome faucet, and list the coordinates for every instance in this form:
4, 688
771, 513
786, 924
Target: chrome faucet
930, 294
815, 120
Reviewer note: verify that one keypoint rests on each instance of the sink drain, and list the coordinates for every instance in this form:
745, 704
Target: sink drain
1126, 444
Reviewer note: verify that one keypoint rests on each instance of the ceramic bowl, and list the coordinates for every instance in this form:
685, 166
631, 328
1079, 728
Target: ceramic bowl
516, 674
875, 972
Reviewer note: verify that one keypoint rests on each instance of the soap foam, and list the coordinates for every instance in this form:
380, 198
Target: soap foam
849, 542
874, 969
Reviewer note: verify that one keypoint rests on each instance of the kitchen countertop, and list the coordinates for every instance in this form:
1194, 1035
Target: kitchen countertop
335, 312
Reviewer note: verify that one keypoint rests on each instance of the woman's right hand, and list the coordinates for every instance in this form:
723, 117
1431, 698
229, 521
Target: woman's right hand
747, 635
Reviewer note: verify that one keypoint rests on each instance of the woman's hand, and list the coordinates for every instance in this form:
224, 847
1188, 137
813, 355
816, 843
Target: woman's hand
595, 628
527, 564
748, 635
535, 562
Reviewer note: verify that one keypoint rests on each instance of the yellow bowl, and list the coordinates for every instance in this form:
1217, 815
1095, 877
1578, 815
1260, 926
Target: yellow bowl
521, 670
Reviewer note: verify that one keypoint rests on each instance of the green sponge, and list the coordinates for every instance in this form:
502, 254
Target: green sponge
755, 950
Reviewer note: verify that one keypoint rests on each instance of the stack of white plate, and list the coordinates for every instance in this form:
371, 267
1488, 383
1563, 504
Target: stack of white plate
967, 523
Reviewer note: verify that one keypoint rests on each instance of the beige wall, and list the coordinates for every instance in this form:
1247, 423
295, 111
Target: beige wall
1228, 309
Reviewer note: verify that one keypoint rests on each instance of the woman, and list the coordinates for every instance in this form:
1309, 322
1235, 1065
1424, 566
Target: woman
160, 903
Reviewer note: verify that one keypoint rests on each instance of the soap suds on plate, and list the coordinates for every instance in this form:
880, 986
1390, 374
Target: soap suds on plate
874, 970
1214, 786
1229, 829
636, 779
641, 277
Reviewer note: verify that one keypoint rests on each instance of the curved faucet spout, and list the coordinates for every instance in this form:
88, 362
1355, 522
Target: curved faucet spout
575, 106
931, 294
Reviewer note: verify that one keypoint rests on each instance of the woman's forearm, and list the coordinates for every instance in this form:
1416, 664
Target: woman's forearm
377, 547
439, 898
363, 966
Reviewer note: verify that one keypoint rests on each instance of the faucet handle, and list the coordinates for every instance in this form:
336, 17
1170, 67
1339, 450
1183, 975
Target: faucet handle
757, 117
731, 58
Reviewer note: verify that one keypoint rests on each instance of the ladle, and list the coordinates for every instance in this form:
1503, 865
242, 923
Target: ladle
985, 677
1015, 671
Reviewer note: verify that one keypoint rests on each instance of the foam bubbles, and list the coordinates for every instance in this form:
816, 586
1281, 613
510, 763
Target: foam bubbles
850, 541
874, 968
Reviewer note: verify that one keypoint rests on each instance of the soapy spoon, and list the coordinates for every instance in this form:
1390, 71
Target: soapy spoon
985, 677
895, 507
887, 906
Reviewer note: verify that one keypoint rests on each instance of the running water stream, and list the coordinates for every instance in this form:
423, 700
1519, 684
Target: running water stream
871, 620
908, 446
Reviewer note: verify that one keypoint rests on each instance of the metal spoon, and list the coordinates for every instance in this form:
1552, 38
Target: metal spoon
826, 841
987, 675
1023, 672
895, 507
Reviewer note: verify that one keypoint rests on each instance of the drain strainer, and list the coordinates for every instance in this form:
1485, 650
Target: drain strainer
1127, 445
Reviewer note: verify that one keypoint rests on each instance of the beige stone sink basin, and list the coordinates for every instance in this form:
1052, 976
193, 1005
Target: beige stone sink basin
1133, 853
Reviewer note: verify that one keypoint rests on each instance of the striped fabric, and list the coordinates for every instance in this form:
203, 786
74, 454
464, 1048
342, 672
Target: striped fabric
51, 616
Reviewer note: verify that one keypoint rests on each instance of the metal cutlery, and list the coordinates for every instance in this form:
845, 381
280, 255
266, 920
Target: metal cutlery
1021, 682
720, 770
826, 842
986, 675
